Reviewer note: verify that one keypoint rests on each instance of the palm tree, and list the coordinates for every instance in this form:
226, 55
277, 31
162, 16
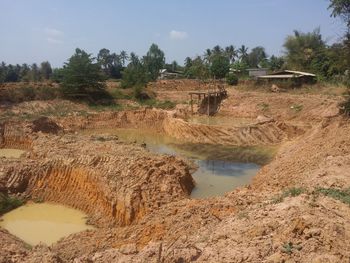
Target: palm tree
134, 59
243, 53
123, 57
231, 53
217, 50
207, 55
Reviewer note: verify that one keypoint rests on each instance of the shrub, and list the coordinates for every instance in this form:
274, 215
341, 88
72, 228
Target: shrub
232, 79
293, 192
341, 195
8, 203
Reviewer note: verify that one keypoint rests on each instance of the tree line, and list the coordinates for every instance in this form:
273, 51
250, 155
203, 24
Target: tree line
25, 72
303, 51
85, 74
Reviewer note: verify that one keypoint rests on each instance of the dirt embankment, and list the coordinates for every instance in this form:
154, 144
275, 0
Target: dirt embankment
252, 224
112, 182
265, 132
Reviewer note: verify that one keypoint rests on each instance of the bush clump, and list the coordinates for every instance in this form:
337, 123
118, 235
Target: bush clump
8, 203
232, 80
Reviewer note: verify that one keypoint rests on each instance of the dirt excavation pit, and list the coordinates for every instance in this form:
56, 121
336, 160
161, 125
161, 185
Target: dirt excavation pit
282, 183
217, 169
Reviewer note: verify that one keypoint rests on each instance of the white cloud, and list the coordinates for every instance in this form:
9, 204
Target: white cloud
52, 32
53, 36
178, 35
54, 40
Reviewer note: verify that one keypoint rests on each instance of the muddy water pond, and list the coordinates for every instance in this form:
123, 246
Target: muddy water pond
44, 222
11, 153
220, 168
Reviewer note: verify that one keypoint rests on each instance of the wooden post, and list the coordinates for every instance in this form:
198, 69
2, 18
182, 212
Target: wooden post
191, 105
215, 101
208, 104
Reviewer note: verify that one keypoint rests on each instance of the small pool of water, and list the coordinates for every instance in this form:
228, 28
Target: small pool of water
11, 153
220, 168
44, 222
226, 121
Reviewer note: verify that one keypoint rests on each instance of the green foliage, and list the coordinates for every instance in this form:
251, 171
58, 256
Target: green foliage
45, 70
264, 106
338, 194
82, 77
293, 192
275, 63
297, 107
220, 66
154, 61
289, 247
256, 57
28, 93
304, 49
8, 203
196, 68
231, 79
111, 63
57, 75
135, 74
341, 8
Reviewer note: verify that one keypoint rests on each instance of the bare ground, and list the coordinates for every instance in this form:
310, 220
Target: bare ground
281, 217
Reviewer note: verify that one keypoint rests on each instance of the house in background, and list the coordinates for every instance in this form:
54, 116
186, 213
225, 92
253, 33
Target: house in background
257, 72
167, 74
297, 77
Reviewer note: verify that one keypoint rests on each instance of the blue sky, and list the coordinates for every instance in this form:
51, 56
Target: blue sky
38, 30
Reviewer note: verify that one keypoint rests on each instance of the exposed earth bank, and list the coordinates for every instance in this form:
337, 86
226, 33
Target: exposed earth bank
291, 212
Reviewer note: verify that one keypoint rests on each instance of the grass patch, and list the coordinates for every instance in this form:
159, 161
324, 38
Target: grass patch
338, 194
289, 247
291, 192
297, 107
264, 106
8, 203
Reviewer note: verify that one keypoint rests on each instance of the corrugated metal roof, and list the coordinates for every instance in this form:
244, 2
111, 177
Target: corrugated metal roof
282, 76
283, 72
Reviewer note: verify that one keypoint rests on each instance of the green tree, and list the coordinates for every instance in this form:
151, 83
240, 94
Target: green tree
82, 77
154, 61
256, 57
303, 48
123, 57
243, 54
231, 53
135, 74
197, 68
207, 55
35, 73
111, 63
275, 63
3, 70
46, 70
220, 66
341, 8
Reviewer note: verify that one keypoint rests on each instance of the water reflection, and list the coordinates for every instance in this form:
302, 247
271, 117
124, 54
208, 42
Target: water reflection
220, 168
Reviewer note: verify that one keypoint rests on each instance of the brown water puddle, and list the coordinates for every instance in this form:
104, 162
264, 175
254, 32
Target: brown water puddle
44, 222
11, 153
